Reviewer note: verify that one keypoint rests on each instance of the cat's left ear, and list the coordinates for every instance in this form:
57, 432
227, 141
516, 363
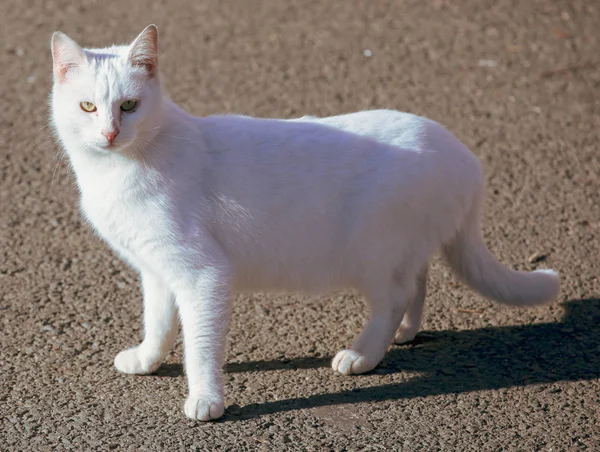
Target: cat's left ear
66, 55
143, 51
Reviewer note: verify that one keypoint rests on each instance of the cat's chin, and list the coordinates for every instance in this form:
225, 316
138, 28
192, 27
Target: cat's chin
110, 149
105, 149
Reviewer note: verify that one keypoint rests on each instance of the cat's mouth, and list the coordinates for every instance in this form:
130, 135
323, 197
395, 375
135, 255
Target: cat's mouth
107, 148
112, 146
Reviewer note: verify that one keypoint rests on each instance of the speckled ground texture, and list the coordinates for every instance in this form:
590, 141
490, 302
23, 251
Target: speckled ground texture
518, 82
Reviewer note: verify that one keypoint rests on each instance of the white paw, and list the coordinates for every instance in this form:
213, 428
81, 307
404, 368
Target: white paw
134, 361
348, 362
404, 335
203, 407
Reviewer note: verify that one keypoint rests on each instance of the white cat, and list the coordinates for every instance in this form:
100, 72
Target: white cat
206, 207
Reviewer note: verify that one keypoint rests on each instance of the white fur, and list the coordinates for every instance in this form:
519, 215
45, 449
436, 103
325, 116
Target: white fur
205, 207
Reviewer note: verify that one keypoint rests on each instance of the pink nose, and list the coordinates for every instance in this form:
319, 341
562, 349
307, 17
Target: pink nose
110, 135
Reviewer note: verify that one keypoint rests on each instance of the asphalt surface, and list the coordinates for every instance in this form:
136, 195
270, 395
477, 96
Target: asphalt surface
518, 82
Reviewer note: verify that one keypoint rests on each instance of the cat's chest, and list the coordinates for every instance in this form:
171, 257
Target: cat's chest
123, 223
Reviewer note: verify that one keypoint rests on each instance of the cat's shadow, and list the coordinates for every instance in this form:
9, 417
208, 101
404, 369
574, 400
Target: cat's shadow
456, 362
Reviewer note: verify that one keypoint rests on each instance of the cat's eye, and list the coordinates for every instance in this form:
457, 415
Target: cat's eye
128, 106
88, 107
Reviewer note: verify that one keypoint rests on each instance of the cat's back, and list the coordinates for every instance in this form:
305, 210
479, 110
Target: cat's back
339, 135
406, 131
390, 126
389, 145
416, 139
398, 135
289, 149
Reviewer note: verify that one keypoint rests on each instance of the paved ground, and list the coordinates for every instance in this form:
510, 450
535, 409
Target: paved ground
519, 82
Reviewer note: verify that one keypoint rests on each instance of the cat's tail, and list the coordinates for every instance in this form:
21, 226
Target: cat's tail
470, 258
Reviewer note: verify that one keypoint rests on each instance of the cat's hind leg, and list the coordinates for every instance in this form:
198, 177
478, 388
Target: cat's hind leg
388, 303
411, 322
160, 329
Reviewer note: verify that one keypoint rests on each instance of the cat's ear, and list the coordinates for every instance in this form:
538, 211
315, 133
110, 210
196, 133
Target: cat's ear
143, 51
66, 55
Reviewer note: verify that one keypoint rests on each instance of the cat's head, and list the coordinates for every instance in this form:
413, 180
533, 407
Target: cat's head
106, 100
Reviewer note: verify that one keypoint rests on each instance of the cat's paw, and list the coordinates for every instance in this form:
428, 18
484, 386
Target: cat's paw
348, 362
404, 335
135, 361
203, 407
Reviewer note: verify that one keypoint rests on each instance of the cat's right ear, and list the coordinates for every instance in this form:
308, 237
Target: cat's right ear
66, 55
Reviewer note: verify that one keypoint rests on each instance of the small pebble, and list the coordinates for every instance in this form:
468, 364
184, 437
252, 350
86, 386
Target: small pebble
536, 109
487, 63
537, 257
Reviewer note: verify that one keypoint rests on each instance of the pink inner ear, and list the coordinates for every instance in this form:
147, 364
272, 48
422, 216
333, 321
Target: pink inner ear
143, 52
66, 54
146, 63
63, 69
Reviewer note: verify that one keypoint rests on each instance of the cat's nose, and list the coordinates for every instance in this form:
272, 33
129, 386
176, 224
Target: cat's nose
110, 134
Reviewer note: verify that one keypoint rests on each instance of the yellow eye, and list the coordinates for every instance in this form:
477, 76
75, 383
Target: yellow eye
129, 105
88, 107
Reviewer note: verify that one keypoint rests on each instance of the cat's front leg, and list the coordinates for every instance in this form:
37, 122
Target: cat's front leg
204, 307
160, 328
